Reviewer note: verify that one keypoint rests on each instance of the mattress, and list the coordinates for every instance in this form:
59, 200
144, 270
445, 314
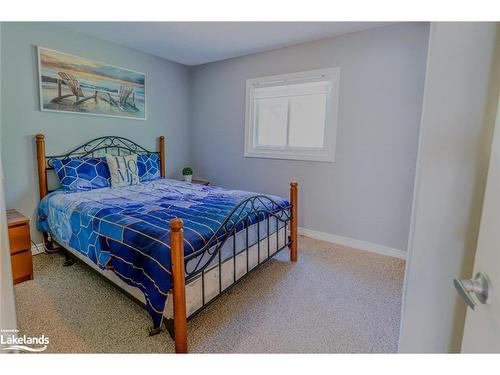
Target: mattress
126, 230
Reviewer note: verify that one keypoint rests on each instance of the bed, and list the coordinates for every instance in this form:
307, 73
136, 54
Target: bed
173, 246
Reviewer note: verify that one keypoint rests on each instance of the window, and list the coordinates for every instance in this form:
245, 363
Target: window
292, 116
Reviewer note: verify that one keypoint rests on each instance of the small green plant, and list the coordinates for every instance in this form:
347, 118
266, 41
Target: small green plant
187, 171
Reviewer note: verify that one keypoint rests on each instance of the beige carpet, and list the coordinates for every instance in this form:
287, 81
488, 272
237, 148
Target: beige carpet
334, 300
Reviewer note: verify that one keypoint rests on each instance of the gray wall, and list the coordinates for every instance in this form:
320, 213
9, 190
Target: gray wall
457, 121
167, 106
366, 193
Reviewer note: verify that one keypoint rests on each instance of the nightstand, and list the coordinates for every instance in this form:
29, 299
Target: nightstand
200, 182
20, 246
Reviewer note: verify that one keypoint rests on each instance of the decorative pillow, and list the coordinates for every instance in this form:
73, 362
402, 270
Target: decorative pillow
148, 166
123, 170
82, 173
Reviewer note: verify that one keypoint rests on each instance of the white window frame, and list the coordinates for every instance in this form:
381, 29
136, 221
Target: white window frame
325, 154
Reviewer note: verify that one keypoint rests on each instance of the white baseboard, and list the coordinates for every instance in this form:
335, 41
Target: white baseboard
351, 242
333, 238
37, 249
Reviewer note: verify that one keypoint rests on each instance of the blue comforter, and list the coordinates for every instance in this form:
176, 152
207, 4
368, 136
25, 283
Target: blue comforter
126, 229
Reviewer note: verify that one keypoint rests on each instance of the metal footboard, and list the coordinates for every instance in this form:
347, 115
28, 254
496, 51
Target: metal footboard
256, 211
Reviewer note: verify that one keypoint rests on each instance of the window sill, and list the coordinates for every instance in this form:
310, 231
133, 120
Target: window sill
325, 158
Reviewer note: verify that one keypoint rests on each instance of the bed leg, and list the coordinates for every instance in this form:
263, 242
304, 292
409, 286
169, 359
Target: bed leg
47, 242
154, 331
68, 260
293, 221
169, 326
179, 288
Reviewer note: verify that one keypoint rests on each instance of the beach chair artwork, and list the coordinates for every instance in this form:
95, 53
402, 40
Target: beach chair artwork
125, 100
75, 88
78, 85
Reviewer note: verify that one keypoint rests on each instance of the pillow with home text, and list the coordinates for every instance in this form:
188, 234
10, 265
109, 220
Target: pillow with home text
123, 170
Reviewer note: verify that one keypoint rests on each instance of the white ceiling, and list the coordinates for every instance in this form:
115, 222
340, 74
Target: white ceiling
194, 43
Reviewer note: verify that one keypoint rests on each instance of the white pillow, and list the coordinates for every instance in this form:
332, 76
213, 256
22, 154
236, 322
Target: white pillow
123, 170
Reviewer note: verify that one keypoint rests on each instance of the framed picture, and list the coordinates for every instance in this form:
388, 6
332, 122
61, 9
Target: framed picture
75, 84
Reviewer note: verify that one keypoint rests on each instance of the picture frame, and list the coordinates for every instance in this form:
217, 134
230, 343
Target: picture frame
79, 85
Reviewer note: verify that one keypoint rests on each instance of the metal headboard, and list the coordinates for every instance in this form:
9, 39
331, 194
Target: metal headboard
101, 146
96, 147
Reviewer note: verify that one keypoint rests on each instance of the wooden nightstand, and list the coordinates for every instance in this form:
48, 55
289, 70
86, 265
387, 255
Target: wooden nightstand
20, 246
200, 182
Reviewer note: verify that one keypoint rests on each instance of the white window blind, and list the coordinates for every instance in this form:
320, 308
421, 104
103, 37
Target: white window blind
292, 116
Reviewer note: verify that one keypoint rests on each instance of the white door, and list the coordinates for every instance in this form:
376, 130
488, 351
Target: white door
482, 324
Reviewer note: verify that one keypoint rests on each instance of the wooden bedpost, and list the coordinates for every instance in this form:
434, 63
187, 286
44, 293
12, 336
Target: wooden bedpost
42, 166
293, 221
162, 156
179, 290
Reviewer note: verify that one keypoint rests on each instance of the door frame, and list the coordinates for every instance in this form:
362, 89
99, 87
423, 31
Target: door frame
477, 44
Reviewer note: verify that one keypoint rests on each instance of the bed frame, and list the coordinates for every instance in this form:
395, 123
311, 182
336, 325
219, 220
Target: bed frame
241, 214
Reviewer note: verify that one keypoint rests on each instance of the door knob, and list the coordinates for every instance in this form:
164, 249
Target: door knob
480, 286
